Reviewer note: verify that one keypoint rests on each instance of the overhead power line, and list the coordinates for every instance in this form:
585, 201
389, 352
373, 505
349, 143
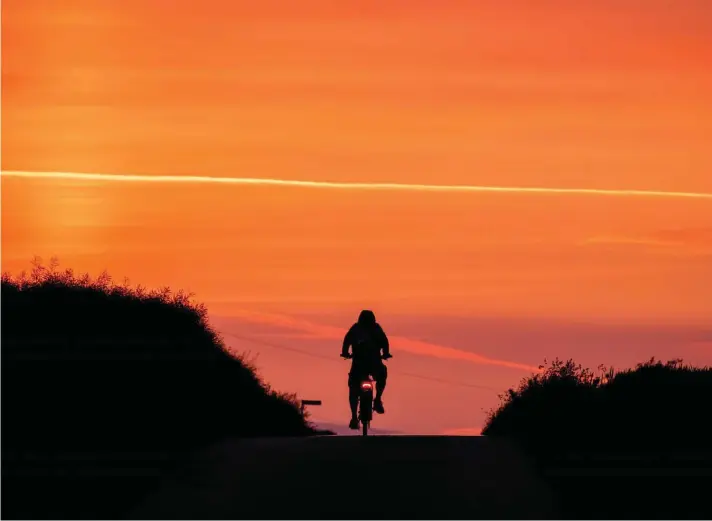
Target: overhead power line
334, 360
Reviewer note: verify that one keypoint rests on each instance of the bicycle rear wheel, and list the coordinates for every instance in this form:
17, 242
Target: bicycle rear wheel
365, 410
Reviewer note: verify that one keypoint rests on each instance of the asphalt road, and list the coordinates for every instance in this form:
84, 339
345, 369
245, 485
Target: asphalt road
377, 477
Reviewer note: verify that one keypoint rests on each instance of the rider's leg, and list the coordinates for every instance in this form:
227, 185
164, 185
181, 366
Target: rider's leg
353, 401
381, 376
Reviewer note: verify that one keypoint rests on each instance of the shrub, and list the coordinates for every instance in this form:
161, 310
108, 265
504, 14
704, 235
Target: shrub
101, 369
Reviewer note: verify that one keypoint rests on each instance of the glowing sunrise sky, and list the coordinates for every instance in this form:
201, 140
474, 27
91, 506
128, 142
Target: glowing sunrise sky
594, 103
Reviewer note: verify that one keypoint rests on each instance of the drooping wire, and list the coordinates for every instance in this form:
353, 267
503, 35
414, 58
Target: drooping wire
335, 360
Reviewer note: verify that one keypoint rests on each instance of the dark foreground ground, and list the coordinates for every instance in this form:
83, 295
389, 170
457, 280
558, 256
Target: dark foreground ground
379, 477
334, 477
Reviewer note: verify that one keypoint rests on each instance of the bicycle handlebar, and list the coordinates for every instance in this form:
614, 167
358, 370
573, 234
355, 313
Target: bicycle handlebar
349, 356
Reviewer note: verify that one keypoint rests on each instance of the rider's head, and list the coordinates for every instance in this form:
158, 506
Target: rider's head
367, 317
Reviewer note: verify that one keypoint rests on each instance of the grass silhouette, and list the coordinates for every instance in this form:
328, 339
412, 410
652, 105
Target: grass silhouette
587, 429
104, 386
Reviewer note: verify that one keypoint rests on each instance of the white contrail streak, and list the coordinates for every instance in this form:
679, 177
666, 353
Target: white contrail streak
346, 185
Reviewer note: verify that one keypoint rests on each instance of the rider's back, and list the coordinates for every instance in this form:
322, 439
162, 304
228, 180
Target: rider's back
366, 344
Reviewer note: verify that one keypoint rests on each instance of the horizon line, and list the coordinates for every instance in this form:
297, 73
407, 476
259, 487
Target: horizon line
137, 178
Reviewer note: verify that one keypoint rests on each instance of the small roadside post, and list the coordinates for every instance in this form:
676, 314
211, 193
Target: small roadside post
309, 402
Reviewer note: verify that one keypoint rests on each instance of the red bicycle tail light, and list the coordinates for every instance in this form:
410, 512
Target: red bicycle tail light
366, 385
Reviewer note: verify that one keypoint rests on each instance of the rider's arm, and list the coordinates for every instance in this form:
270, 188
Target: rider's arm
384, 342
347, 342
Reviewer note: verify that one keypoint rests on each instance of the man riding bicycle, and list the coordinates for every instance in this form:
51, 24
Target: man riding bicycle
367, 340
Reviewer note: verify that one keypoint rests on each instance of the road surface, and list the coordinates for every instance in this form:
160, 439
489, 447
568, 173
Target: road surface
377, 477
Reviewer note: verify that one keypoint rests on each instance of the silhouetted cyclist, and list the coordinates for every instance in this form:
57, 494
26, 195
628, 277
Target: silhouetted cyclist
367, 340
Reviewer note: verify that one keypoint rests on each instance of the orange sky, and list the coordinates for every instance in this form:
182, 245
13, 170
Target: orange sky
593, 94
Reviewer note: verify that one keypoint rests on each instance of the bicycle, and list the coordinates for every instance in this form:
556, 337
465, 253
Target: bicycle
365, 398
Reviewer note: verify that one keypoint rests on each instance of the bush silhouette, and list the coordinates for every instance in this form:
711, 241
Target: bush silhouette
610, 441
568, 403
117, 376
